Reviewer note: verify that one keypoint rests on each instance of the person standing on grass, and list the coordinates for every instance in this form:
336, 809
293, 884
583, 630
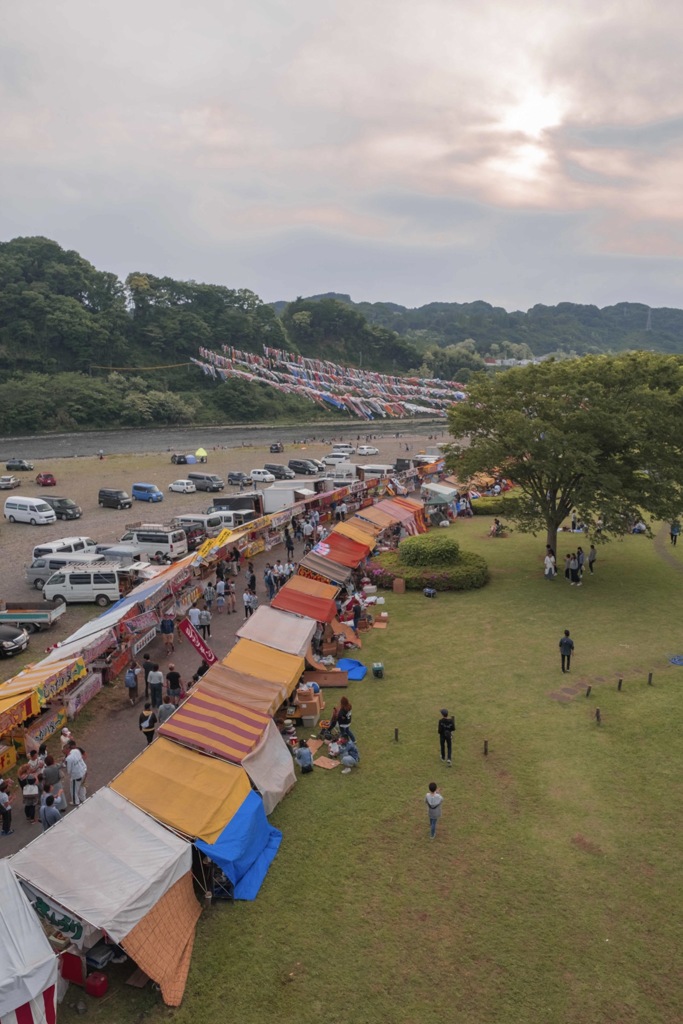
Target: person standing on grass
549, 563
446, 728
434, 800
674, 531
574, 570
592, 559
567, 568
148, 721
566, 650
581, 559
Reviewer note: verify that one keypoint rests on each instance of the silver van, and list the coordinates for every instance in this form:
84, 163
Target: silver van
29, 510
126, 554
210, 522
41, 569
64, 545
206, 481
156, 540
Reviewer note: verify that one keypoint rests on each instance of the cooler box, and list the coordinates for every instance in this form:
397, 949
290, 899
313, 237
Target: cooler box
378, 669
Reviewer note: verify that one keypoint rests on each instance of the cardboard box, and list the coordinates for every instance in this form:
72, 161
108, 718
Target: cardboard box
399, 586
329, 648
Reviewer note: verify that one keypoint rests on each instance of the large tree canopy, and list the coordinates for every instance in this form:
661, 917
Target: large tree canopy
602, 435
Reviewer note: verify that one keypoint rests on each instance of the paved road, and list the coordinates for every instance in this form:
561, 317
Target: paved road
188, 439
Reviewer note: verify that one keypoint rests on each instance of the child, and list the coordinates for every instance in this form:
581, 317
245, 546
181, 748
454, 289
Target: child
304, 757
434, 801
31, 795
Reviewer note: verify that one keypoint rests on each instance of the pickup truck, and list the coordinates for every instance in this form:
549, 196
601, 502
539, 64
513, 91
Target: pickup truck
31, 615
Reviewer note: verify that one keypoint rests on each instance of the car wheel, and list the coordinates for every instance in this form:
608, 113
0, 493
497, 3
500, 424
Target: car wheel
61, 516
12, 519
101, 504
159, 555
102, 600
32, 522
39, 584
32, 627
59, 599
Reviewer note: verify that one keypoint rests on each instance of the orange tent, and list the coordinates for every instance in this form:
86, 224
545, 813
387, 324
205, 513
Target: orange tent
313, 587
344, 550
323, 609
358, 529
374, 515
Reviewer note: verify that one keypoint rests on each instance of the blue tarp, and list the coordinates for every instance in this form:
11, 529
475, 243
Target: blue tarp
246, 848
356, 669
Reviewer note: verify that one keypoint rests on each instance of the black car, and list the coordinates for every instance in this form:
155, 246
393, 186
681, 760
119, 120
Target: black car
196, 535
65, 508
20, 465
275, 448
304, 466
238, 478
12, 640
179, 460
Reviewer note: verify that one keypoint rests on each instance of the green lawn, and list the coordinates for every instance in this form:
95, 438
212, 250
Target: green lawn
552, 891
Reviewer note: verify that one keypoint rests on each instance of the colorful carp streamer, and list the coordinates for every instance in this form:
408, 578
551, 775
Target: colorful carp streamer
362, 393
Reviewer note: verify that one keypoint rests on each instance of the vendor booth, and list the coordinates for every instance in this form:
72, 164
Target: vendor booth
28, 966
104, 870
359, 530
319, 568
316, 588
248, 691
316, 609
263, 662
245, 849
343, 549
279, 629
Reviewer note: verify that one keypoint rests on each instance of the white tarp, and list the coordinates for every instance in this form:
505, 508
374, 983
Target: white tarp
28, 965
108, 863
282, 631
271, 768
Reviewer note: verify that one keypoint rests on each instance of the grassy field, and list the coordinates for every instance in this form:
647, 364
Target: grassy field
552, 891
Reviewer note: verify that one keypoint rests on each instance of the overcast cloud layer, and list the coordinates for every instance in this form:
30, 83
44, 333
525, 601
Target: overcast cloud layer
405, 150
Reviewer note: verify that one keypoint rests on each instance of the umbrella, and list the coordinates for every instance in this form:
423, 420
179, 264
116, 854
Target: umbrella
201, 453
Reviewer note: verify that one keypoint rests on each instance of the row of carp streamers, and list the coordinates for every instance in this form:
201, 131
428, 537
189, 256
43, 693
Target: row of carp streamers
363, 393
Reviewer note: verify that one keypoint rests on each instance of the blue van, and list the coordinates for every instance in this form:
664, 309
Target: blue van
147, 492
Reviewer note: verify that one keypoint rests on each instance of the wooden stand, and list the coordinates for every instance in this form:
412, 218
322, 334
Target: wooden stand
327, 679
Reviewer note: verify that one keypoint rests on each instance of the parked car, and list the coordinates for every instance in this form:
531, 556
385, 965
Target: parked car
334, 458
277, 447
46, 480
196, 535
367, 449
182, 487
12, 640
279, 472
305, 466
320, 466
237, 478
8, 483
19, 465
179, 460
65, 508
262, 476
113, 497
147, 492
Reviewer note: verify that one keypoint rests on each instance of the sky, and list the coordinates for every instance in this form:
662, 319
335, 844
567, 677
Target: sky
515, 151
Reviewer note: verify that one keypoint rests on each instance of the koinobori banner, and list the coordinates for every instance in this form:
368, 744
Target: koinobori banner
200, 645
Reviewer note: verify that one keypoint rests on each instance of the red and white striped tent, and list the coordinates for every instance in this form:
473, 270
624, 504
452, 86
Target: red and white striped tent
28, 965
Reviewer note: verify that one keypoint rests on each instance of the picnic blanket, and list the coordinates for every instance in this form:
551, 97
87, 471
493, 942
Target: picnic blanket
326, 762
356, 669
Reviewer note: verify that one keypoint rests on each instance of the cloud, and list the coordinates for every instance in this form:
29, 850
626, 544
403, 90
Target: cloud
522, 151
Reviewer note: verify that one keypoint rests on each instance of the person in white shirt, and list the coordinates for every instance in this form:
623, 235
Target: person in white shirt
193, 616
77, 770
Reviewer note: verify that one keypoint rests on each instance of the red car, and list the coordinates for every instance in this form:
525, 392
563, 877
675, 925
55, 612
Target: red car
46, 480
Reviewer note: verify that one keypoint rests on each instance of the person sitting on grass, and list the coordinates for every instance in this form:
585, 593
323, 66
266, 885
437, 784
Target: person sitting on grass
304, 757
496, 528
350, 757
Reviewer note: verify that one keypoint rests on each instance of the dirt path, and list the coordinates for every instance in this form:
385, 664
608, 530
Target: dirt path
663, 548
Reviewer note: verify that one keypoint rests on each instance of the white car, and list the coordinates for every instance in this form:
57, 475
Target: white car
367, 449
334, 458
182, 487
262, 476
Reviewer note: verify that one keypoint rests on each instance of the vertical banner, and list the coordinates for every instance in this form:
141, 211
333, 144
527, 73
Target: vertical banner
200, 645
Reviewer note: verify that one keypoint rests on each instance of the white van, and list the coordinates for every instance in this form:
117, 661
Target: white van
345, 449
211, 522
262, 476
102, 584
41, 569
232, 518
29, 510
156, 540
64, 545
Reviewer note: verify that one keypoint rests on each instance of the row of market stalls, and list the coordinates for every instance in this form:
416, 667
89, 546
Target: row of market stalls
190, 813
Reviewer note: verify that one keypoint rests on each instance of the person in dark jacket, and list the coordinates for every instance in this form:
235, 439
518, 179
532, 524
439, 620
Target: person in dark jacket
446, 730
343, 719
566, 650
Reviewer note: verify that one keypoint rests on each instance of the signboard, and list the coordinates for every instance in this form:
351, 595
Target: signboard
255, 548
144, 640
200, 645
84, 692
80, 932
280, 518
52, 686
8, 758
47, 725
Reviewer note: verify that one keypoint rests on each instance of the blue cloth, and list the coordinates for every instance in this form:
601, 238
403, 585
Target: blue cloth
356, 669
246, 848
677, 659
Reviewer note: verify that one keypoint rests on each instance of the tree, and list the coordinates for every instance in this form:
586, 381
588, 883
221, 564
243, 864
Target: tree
599, 434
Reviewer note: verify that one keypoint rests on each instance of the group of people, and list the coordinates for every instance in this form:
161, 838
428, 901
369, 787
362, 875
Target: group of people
344, 747
574, 564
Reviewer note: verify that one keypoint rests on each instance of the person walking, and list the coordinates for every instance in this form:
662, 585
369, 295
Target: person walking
193, 616
574, 570
76, 769
674, 531
549, 562
209, 595
434, 801
592, 559
31, 797
167, 630
220, 595
567, 568
269, 580
6, 809
166, 710
49, 814
289, 543
230, 597
131, 683
581, 559
156, 686
147, 723
174, 684
446, 728
147, 665
344, 714
205, 622
566, 650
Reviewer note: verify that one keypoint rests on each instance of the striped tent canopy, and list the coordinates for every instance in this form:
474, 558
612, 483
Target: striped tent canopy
345, 550
316, 588
326, 568
264, 663
216, 726
320, 609
359, 529
381, 519
247, 691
